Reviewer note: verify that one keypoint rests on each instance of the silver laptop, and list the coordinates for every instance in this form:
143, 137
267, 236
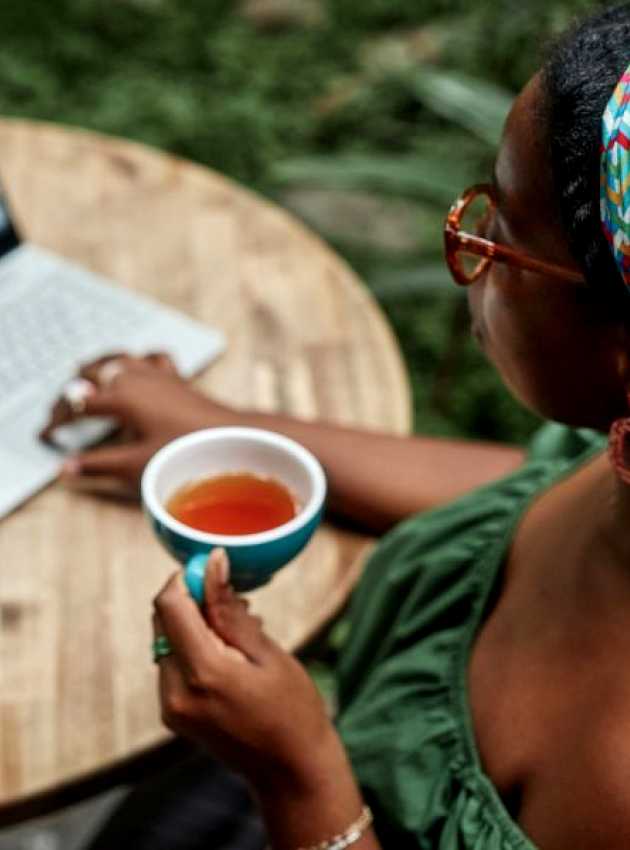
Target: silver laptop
54, 316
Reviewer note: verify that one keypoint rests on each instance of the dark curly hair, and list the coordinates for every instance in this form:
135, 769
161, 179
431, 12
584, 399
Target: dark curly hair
579, 76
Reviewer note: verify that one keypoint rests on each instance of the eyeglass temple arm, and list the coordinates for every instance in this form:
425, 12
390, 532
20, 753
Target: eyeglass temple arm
460, 240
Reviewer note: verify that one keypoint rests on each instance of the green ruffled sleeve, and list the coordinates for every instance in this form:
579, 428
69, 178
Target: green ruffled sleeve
556, 442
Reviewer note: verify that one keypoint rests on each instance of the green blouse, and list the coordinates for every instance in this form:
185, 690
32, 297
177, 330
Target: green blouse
405, 717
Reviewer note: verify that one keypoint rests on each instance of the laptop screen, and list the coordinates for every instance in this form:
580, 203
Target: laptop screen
8, 235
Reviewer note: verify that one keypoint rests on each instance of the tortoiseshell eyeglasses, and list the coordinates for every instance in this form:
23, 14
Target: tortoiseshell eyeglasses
468, 255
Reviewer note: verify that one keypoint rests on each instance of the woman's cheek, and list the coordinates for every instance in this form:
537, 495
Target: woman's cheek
507, 341
475, 296
488, 315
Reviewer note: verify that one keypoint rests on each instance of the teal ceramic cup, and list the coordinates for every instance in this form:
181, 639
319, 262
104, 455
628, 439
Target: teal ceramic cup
254, 558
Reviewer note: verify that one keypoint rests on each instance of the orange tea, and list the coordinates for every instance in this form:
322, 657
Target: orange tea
237, 503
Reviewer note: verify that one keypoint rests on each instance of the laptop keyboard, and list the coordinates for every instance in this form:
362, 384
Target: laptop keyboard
54, 316
47, 332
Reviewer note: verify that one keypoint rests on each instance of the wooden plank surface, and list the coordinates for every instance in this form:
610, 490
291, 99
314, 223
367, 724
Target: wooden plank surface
77, 686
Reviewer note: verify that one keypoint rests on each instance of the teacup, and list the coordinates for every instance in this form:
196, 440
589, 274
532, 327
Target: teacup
254, 558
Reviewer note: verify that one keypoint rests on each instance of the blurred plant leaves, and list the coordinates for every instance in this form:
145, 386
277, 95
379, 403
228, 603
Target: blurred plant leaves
430, 177
475, 105
407, 281
430, 173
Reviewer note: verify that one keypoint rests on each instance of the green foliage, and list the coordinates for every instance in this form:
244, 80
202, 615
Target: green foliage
376, 14
477, 106
506, 40
193, 78
432, 177
373, 100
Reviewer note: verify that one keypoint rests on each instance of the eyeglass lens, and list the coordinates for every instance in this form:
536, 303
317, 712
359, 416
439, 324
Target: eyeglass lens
475, 219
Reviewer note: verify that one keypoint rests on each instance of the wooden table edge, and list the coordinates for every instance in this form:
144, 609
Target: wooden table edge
128, 770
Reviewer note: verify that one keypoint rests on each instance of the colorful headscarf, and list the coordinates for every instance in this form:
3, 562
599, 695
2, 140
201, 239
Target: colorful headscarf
615, 175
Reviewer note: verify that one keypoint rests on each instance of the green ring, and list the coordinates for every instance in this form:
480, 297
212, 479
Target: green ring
161, 648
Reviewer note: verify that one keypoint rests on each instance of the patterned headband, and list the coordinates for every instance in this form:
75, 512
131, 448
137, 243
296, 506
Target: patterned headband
615, 175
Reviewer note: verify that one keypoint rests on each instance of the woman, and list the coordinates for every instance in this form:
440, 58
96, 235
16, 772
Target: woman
483, 699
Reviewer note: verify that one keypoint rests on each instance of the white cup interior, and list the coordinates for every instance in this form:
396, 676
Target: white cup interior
220, 451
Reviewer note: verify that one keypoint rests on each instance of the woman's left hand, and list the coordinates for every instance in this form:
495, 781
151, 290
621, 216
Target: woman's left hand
151, 404
228, 686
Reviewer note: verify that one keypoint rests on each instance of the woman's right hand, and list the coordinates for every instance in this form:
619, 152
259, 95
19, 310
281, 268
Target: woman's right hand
152, 405
228, 686
231, 688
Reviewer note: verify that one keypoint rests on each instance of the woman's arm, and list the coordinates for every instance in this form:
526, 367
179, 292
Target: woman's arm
378, 479
295, 821
375, 479
233, 690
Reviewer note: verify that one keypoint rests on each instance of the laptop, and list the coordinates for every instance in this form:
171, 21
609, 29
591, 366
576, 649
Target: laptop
55, 316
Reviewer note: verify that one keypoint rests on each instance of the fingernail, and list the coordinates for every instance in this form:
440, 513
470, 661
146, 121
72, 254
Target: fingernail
220, 565
71, 466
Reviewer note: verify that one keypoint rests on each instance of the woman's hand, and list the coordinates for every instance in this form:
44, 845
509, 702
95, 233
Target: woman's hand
232, 689
152, 404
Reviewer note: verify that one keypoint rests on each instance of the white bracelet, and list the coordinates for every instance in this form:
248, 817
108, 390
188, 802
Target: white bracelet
352, 834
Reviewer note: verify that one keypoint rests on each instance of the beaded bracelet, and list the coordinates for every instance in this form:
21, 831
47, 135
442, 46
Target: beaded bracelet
354, 832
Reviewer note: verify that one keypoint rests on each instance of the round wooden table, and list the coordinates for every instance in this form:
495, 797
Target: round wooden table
77, 686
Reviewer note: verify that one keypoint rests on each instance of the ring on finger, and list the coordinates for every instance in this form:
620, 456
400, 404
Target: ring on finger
109, 371
161, 648
76, 392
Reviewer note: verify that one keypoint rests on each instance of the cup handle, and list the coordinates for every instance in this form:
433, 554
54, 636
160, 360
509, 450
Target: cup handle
194, 575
